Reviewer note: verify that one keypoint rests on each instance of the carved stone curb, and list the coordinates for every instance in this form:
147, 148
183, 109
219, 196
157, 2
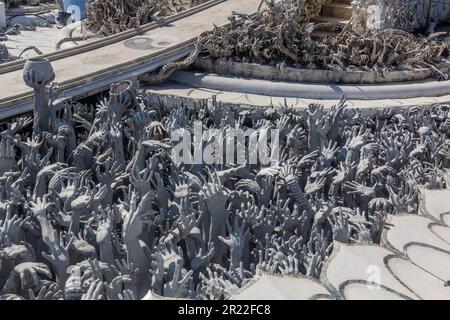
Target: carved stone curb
265, 72
312, 91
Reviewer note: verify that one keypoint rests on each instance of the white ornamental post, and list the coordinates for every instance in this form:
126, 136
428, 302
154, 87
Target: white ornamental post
2, 15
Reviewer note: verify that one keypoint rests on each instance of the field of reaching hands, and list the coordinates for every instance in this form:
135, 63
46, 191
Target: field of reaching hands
92, 205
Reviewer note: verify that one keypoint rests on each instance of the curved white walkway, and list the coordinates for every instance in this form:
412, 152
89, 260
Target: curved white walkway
413, 262
174, 93
403, 90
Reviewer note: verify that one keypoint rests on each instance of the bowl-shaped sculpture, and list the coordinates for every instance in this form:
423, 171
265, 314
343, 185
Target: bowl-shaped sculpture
124, 91
38, 72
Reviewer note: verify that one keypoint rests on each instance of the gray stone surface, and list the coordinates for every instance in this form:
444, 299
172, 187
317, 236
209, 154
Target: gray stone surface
359, 263
276, 287
418, 232
423, 283
313, 91
436, 203
44, 38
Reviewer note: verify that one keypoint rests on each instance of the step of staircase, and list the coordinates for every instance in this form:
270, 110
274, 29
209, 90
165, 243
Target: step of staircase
338, 10
348, 2
341, 21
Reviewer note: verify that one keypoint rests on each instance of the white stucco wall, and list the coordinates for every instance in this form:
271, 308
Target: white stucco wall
403, 14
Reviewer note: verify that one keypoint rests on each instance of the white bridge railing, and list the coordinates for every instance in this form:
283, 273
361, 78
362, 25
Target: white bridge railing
2, 15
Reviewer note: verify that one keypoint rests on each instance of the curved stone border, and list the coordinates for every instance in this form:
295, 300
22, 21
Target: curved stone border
391, 254
425, 213
392, 272
265, 72
313, 91
339, 293
384, 242
442, 225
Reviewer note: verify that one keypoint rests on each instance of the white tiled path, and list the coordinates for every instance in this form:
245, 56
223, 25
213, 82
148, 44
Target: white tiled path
413, 262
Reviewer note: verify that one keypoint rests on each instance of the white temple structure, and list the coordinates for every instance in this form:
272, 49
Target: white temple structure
402, 14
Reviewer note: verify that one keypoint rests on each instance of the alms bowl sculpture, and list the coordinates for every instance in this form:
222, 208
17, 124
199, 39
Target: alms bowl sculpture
37, 74
123, 91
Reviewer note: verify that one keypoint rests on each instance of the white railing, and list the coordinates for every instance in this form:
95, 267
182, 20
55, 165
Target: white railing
2, 15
